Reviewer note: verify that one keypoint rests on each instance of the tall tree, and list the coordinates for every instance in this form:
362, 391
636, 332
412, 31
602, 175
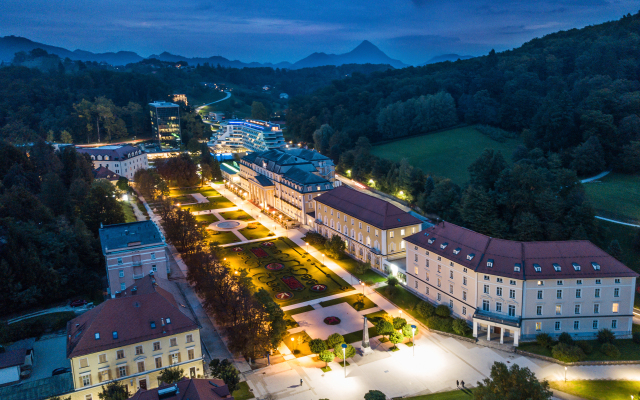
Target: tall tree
512, 383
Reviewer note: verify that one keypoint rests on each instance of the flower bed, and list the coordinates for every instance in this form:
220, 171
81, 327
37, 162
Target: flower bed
275, 267
332, 320
237, 249
318, 288
268, 244
284, 295
292, 282
258, 252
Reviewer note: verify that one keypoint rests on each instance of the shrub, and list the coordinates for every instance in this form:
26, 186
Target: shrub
565, 338
426, 309
567, 353
606, 336
335, 247
433, 322
363, 267
443, 310
314, 239
460, 327
636, 336
406, 330
544, 340
396, 337
317, 346
392, 281
399, 323
384, 327
585, 346
446, 324
375, 395
334, 339
349, 352
610, 350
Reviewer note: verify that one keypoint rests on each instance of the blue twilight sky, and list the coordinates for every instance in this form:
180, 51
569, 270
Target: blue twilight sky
412, 31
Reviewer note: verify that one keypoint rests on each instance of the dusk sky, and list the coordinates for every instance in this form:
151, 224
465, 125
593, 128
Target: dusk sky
412, 31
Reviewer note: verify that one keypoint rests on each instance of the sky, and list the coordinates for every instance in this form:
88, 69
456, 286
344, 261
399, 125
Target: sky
412, 31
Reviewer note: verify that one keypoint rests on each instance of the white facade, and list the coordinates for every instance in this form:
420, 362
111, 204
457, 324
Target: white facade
123, 160
252, 135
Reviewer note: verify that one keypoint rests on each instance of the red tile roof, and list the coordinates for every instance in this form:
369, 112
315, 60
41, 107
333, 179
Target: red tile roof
187, 389
105, 173
518, 260
369, 209
130, 315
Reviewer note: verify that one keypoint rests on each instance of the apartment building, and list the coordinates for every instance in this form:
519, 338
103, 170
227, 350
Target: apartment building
124, 160
187, 389
516, 290
165, 121
132, 338
372, 229
286, 180
252, 135
133, 251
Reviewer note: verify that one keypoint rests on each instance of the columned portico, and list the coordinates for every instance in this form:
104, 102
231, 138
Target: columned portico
495, 325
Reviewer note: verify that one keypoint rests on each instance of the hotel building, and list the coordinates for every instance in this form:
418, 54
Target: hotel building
165, 121
513, 290
124, 160
252, 135
372, 229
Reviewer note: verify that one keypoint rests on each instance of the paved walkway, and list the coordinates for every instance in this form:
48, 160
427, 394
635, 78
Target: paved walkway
319, 300
617, 222
593, 178
213, 102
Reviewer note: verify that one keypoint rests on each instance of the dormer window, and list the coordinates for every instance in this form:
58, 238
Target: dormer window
457, 251
168, 321
430, 241
115, 334
516, 267
537, 267
490, 263
153, 324
444, 245
576, 266
557, 267
470, 256
106, 158
97, 336
596, 266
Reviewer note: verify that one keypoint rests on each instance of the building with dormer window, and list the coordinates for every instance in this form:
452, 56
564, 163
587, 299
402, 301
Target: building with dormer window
124, 160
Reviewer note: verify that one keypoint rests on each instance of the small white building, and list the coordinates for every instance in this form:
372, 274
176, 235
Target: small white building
124, 160
284, 96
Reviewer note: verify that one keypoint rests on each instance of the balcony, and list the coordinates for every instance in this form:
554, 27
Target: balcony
497, 318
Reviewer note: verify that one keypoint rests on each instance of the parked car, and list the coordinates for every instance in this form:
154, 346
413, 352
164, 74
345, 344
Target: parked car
78, 303
59, 371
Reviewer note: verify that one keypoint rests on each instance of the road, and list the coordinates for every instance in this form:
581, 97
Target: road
213, 102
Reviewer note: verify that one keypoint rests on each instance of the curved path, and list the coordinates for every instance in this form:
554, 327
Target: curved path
213, 102
593, 178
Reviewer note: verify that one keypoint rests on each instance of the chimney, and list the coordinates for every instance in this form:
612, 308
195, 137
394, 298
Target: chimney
134, 290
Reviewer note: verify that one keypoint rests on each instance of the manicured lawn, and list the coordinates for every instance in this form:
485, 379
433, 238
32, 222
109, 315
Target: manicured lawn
357, 336
255, 231
353, 301
243, 392
616, 195
221, 237
296, 273
299, 346
299, 310
129, 216
448, 153
210, 193
213, 204
466, 394
187, 190
238, 214
630, 351
207, 218
599, 390
183, 199
375, 316
349, 264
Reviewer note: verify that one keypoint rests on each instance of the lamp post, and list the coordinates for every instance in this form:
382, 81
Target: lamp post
413, 338
292, 342
323, 259
344, 358
307, 244
565, 375
362, 283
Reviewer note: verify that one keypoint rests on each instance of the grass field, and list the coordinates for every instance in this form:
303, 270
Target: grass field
129, 216
448, 153
630, 351
616, 196
625, 235
599, 390
206, 218
183, 199
243, 392
299, 310
238, 214
353, 301
213, 204
466, 394
221, 237
298, 270
187, 190
258, 232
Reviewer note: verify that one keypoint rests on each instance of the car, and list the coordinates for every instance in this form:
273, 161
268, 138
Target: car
78, 303
60, 371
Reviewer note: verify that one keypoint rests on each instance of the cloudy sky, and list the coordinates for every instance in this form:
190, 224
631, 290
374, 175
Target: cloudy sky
288, 30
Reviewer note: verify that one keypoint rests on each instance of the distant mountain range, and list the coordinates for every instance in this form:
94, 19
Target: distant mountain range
365, 53
447, 57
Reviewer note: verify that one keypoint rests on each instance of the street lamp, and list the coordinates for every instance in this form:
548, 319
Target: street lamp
323, 259
362, 283
344, 358
565, 376
307, 244
292, 340
413, 338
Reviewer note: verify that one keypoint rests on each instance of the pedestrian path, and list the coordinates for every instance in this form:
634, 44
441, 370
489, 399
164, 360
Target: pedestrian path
245, 241
320, 300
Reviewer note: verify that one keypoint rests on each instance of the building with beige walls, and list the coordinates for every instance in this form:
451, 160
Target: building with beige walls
373, 229
512, 290
124, 160
133, 251
132, 338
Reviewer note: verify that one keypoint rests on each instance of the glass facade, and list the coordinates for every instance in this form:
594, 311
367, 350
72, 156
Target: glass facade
165, 121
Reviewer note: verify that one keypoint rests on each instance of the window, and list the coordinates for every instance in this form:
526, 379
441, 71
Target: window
616, 292
578, 293
415, 284
191, 354
539, 294
153, 256
512, 282
426, 264
140, 366
598, 282
102, 358
576, 325
438, 282
439, 268
368, 228
451, 274
538, 310
614, 324
512, 310
123, 286
498, 291
119, 260
451, 304
559, 283
427, 290
559, 294
156, 346
158, 362
499, 280
485, 305
154, 268
464, 280
427, 276
417, 270
439, 297
596, 308
597, 294
617, 280
577, 309
84, 363
512, 294
558, 309
415, 257
402, 232
464, 296
88, 397
614, 309
86, 380
122, 371
486, 289
139, 350
595, 324
464, 310
540, 283
390, 234
121, 273
557, 325
579, 282
119, 354
451, 288
538, 326
173, 342
486, 277
499, 307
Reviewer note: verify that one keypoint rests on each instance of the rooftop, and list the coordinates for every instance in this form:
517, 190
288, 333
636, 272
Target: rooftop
163, 104
105, 173
130, 234
187, 389
519, 260
141, 312
115, 153
369, 209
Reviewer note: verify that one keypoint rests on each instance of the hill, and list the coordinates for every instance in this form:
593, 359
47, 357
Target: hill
365, 53
446, 57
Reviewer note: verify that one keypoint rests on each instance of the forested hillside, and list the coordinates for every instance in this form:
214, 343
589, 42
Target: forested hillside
575, 93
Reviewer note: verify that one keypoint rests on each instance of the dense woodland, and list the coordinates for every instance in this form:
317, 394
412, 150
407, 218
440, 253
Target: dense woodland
575, 93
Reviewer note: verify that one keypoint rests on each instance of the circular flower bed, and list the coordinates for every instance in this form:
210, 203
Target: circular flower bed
284, 295
268, 244
237, 249
332, 320
274, 267
318, 288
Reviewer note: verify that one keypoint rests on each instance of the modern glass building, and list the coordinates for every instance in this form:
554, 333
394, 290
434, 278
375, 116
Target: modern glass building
252, 135
165, 121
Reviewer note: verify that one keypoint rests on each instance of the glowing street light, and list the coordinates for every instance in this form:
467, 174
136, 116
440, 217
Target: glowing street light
307, 244
344, 358
362, 283
413, 337
565, 377
323, 259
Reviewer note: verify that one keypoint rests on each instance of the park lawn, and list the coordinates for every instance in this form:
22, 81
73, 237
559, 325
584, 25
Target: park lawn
258, 232
300, 343
448, 153
352, 301
354, 337
375, 316
206, 218
350, 265
306, 270
299, 310
188, 190
213, 204
239, 215
599, 390
616, 196
210, 193
221, 237
129, 216
625, 235
183, 199
629, 351
466, 394
243, 392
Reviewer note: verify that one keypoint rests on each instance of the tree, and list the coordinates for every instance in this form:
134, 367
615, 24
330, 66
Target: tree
375, 395
227, 372
512, 383
443, 310
408, 331
426, 309
335, 339
589, 157
114, 390
317, 345
399, 323
606, 336
614, 249
327, 356
171, 375
101, 206
182, 230
384, 328
194, 146
277, 324
123, 183
395, 338
335, 247
321, 139
259, 111
486, 169
460, 327
349, 352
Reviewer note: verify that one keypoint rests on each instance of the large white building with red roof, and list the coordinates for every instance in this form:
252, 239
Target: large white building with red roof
512, 290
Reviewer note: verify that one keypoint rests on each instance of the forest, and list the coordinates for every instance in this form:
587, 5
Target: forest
574, 93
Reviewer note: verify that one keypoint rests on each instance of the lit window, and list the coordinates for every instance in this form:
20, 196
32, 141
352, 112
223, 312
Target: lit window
558, 309
538, 326
615, 308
